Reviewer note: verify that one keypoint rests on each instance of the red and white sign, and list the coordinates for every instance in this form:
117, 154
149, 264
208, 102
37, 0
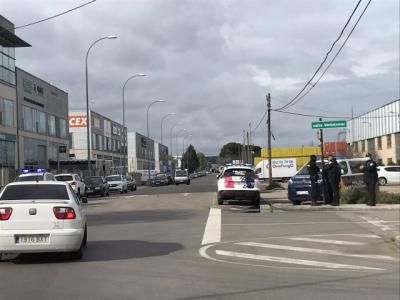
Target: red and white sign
77, 121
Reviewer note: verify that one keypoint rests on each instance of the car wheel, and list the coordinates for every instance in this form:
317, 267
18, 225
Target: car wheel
103, 193
135, 188
220, 200
296, 202
126, 191
382, 181
176, 184
78, 254
108, 192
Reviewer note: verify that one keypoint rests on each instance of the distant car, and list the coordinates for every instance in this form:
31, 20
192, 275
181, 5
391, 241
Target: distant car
74, 181
202, 174
131, 182
96, 185
117, 183
238, 183
389, 175
35, 175
160, 179
41, 216
181, 176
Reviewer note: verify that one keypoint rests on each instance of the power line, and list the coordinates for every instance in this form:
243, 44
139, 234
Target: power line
52, 17
334, 117
324, 60
333, 59
259, 123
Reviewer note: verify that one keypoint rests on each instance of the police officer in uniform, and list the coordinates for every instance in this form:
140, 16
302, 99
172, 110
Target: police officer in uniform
370, 179
333, 176
313, 170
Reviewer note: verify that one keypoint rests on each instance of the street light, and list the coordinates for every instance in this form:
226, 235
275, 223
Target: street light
125, 136
170, 137
162, 120
148, 133
110, 37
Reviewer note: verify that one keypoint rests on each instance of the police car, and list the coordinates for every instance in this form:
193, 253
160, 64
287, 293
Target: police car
38, 174
238, 182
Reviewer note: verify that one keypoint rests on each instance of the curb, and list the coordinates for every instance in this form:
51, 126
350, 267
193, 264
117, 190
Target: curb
344, 207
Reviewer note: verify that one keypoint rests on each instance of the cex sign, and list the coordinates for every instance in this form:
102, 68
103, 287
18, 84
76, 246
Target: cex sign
77, 121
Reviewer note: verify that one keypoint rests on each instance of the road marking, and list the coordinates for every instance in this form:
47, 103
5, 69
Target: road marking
186, 194
381, 224
325, 241
212, 232
317, 251
362, 235
304, 223
312, 263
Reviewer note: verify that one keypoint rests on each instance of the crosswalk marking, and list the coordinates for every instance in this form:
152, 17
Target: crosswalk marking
381, 224
316, 251
303, 262
325, 241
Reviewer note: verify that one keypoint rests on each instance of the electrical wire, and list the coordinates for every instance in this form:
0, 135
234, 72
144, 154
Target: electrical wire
324, 60
52, 17
333, 59
259, 123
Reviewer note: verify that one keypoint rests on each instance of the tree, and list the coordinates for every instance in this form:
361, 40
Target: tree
203, 163
190, 160
233, 151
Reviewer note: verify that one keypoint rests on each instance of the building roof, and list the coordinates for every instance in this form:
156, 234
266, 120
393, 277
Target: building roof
10, 40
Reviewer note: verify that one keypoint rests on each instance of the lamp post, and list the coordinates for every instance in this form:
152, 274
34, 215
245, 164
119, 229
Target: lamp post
162, 121
148, 133
125, 134
177, 136
87, 98
170, 137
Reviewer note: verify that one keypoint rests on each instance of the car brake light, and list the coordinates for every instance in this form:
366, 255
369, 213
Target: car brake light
64, 213
5, 213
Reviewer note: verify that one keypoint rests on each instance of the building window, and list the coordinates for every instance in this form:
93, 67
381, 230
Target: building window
7, 65
7, 152
63, 128
96, 123
41, 120
27, 113
379, 143
28, 86
100, 142
52, 125
39, 90
94, 144
6, 112
389, 141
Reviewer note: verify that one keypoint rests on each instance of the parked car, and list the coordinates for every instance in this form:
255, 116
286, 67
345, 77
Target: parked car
75, 181
181, 176
238, 183
389, 175
96, 185
38, 174
159, 179
41, 216
117, 183
299, 185
131, 182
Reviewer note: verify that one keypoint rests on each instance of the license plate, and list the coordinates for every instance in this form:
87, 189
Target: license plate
32, 239
302, 193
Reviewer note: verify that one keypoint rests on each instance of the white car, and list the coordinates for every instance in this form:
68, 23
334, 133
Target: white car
42, 216
238, 183
74, 181
35, 175
181, 176
117, 183
389, 175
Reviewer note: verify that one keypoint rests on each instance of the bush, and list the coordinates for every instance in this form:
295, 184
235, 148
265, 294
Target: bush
360, 196
274, 185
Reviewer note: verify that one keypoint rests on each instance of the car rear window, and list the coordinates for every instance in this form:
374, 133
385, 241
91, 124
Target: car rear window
113, 178
30, 178
239, 172
35, 192
64, 178
93, 180
180, 173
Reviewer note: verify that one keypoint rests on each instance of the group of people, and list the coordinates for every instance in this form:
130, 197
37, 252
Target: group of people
331, 176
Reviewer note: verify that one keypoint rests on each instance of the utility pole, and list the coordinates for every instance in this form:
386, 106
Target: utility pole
244, 149
269, 139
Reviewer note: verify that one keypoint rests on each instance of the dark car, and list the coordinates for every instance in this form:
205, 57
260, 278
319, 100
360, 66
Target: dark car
131, 183
160, 179
96, 185
170, 179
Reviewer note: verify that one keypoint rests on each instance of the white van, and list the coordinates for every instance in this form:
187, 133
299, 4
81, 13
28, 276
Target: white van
181, 176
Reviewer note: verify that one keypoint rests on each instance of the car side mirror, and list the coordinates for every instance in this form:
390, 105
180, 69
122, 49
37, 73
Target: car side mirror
84, 200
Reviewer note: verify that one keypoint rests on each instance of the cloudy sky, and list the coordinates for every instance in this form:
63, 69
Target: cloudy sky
213, 61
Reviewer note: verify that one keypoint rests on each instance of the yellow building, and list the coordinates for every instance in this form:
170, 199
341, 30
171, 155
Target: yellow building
302, 154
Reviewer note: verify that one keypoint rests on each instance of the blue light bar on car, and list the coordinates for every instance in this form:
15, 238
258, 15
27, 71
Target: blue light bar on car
25, 171
228, 164
248, 165
39, 170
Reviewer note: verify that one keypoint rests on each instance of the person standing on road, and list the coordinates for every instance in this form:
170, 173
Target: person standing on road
370, 179
333, 174
313, 170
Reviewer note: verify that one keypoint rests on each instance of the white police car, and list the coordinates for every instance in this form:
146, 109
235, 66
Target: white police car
38, 174
238, 183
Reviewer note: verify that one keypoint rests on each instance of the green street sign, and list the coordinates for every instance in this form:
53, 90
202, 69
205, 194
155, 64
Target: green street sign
329, 124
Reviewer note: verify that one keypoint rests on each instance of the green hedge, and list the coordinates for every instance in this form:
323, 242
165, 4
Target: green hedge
360, 196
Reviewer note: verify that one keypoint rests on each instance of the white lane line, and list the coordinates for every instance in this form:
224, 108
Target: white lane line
362, 235
212, 232
303, 262
381, 224
317, 251
304, 223
325, 241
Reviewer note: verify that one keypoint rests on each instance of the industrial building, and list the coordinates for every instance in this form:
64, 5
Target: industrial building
8, 100
377, 132
106, 139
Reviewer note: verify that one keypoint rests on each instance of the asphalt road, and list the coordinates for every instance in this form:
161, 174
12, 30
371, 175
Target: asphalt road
176, 243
